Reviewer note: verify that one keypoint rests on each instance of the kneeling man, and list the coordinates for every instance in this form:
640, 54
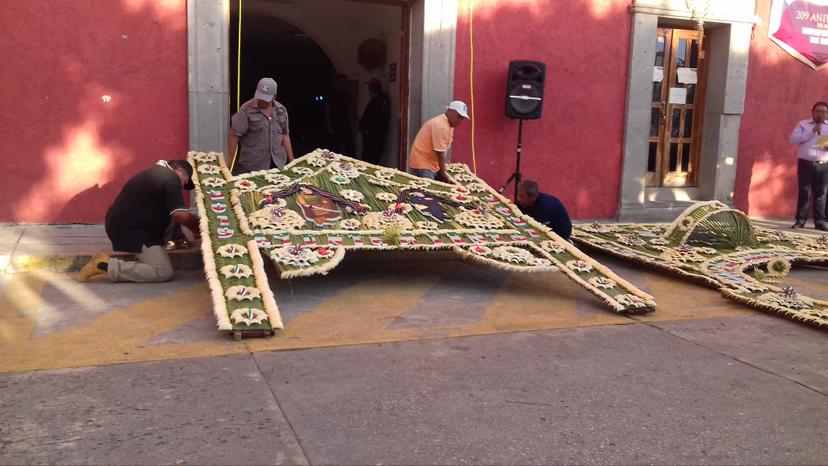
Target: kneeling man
137, 220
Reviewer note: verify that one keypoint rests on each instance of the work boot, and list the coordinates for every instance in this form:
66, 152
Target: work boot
93, 267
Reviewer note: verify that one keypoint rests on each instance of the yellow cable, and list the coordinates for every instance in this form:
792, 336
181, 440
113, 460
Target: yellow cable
471, 81
238, 79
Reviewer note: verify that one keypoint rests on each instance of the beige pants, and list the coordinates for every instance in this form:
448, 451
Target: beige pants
153, 265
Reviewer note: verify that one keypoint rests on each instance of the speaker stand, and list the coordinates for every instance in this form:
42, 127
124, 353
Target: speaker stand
516, 176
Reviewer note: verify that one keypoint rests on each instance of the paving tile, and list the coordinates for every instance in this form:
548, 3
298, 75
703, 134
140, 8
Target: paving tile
770, 342
197, 411
627, 394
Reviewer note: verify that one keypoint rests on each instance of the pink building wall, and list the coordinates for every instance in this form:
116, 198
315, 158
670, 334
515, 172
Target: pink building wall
780, 92
67, 149
575, 150
97, 90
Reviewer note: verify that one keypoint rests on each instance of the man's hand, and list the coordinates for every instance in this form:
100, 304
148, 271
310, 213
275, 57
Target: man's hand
818, 129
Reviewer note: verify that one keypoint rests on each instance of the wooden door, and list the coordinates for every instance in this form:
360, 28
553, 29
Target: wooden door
677, 109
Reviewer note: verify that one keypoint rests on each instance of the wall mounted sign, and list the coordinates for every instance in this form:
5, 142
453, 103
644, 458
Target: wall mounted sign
800, 27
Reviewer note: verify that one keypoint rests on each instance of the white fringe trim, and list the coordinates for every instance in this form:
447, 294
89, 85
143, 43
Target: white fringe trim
268, 300
208, 255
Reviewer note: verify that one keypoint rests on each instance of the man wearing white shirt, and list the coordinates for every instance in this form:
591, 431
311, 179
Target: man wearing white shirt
812, 167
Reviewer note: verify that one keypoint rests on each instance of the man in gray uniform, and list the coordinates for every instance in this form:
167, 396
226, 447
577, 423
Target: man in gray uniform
260, 131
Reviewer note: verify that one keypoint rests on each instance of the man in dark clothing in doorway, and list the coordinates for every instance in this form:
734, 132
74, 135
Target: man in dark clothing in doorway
374, 123
545, 208
137, 220
337, 118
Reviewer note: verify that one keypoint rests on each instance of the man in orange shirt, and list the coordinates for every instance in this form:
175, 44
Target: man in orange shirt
428, 153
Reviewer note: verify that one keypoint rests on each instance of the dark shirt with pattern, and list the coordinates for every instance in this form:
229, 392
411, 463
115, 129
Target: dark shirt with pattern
260, 137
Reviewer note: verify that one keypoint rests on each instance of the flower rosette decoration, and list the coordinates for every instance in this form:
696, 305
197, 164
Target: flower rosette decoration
302, 171
386, 197
658, 241
602, 282
344, 168
476, 188
242, 292
788, 298
300, 256
212, 182
418, 183
248, 316
462, 198
204, 157
463, 177
236, 271
631, 239
230, 251
683, 253
601, 228
778, 267
380, 181
427, 225
350, 224
456, 168
513, 254
351, 195
385, 173
209, 169
277, 217
551, 246
400, 207
478, 218
245, 186
340, 179
579, 266
277, 178
383, 220
630, 300
480, 250
319, 160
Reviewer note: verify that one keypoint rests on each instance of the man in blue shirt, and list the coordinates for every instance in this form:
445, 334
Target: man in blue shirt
544, 208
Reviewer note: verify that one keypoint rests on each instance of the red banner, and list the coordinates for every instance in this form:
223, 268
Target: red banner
800, 27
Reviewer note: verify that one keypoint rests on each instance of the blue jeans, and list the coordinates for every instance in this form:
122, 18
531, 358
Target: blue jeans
424, 173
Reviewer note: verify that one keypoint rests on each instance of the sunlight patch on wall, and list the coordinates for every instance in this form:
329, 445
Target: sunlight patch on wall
79, 164
490, 7
768, 184
171, 12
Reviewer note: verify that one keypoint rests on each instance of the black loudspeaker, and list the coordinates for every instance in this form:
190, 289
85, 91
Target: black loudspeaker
524, 89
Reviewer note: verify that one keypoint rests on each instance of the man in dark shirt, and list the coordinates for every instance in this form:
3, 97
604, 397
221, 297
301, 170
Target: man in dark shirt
137, 220
544, 208
374, 123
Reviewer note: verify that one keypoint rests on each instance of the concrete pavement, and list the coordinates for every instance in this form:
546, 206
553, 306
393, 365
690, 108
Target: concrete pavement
430, 361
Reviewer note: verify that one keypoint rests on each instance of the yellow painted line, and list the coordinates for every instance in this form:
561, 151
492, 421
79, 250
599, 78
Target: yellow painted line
363, 313
358, 315
115, 337
542, 302
680, 299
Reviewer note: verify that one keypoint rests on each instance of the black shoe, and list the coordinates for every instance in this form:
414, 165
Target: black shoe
798, 224
821, 227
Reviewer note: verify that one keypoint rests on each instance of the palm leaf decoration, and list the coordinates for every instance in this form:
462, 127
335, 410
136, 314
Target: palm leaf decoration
728, 229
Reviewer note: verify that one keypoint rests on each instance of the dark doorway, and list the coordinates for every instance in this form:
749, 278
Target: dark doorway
271, 47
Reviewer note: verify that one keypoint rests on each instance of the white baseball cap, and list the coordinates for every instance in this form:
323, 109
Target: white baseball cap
459, 107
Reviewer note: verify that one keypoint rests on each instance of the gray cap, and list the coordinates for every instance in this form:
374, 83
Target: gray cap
266, 89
